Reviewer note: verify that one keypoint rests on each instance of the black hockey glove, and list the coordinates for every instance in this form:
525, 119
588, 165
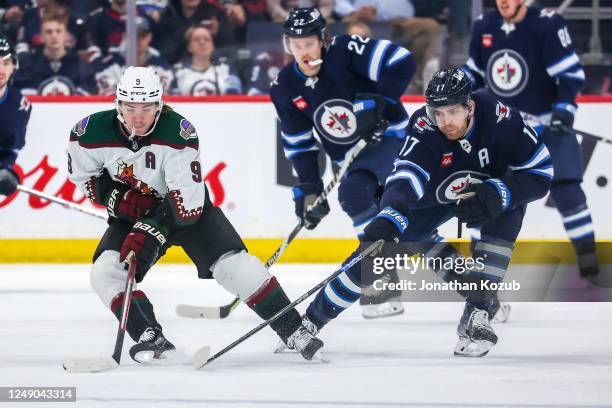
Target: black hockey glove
482, 203
559, 119
368, 109
8, 182
304, 195
143, 242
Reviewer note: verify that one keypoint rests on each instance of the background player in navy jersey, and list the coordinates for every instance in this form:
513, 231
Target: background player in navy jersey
14, 115
316, 94
524, 55
467, 155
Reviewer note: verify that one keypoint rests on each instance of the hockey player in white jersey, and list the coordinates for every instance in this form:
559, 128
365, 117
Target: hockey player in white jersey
142, 161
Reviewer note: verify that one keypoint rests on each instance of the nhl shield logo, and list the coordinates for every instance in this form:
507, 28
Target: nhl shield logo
186, 130
450, 189
507, 73
335, 121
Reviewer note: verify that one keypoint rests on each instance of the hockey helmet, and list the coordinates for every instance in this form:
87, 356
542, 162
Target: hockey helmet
448, 87
7, 50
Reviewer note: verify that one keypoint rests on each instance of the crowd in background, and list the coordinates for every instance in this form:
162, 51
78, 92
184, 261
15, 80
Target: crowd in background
209, 47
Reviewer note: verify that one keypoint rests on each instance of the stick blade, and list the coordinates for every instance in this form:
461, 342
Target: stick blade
201, 357
199, 312
89, 365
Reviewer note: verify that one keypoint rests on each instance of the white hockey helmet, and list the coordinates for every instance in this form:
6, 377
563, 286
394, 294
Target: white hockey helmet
139, 85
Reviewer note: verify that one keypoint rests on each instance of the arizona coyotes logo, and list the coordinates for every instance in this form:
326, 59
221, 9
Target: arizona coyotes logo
502, 112
125, 173
81, 126
186, 130
423, 123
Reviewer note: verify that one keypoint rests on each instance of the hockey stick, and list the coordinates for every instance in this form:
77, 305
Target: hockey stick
202, 356
221, 312
98, 364
535, 119
65, 203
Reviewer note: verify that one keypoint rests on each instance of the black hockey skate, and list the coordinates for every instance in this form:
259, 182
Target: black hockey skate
152, 347
476, 336
303, 340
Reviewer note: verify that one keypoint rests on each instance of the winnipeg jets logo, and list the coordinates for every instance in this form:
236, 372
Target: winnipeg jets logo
336, 122
507, 73
423, 123
450, 190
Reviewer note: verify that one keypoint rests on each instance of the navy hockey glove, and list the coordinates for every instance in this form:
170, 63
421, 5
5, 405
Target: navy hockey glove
304, 195
482, 202
559, 119
143, 242
388, 225
8, 182
127, 204
368, 109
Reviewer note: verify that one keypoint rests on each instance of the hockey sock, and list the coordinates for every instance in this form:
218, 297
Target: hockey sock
336, 296
268, 301
494, 256
571, 203
141, 313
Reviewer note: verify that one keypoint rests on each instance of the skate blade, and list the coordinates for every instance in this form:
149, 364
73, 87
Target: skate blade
319, 357
478, 348
148, 357
379, 313
503, 314
282, 348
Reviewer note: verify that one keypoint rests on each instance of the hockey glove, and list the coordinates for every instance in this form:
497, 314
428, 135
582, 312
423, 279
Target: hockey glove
368, 109
388, 225
483, 203
8, 182
144, 243
303, 196
560, 118
128, 205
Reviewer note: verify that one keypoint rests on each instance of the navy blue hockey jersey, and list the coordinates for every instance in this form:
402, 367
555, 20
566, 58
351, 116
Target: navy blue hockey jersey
68, 76
15, 112
530, 65
324, 103
432, 170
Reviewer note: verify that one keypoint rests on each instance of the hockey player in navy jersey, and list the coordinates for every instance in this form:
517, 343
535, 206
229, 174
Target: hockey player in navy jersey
315, 95
524, 55
467, 156
14, 115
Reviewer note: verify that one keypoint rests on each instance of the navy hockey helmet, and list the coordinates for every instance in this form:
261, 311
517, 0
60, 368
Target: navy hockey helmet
448, 87
7, 50
303, 22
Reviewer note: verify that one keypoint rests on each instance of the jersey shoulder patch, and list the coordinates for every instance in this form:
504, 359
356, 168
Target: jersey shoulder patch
95, 128
175, 130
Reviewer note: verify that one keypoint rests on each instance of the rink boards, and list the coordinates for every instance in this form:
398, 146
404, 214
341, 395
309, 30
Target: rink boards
248, 177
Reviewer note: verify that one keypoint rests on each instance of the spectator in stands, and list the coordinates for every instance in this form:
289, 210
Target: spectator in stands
266, 67
11, 14
198, 74
359, 28
255, 10
279, 9
110, 68
53, 69
107, 25
180, 15
30, 32
417, 34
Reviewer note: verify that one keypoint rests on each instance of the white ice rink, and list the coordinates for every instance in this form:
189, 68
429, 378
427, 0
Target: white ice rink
549, 354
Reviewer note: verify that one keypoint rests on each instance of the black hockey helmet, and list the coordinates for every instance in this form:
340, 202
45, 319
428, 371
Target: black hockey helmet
7, 50
448, 87
303, 22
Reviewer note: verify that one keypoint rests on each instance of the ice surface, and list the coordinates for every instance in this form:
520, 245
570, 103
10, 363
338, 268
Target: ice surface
549, 354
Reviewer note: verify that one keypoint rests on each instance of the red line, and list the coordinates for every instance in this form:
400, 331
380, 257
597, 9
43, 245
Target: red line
246, 99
